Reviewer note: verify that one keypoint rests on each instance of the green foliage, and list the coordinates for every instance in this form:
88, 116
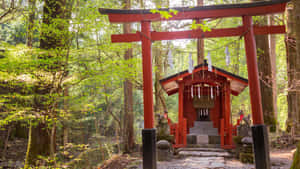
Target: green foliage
296, 161
203, 26
167, 14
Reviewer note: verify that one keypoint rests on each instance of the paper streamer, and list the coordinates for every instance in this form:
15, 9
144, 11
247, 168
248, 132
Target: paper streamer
199, 94
191, 64
209, 62
170, 59
227, 56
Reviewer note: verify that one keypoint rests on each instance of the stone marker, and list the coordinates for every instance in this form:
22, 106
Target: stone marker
164, 150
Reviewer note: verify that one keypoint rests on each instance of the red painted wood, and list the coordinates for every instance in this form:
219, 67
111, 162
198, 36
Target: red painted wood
227, 103
254, 85
147, 76
263, 30
222, 132
203, 68
194, 34
177, 138
180, 112
216, 13
198, 78
184, 131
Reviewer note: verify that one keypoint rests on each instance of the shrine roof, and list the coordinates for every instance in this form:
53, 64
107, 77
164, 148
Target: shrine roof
237, 83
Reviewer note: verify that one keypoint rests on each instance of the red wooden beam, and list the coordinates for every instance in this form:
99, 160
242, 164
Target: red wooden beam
147, 77
118, 16
254, 86
204, 68
194, 34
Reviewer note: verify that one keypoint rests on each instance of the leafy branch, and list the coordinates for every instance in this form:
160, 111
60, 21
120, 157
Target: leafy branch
203, 26
165, 14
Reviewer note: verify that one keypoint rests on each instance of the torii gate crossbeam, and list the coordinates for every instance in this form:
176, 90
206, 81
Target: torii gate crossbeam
246, 11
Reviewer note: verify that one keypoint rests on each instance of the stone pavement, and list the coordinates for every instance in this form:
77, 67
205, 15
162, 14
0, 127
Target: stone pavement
211, 158
203, 163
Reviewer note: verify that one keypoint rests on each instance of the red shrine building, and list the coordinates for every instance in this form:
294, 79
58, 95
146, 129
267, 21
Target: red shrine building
204, 106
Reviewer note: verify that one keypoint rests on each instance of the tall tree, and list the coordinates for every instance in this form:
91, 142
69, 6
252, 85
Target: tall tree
297, 68
273, 57
200, 42
293, 66
265, 72
31, 17
128, 134
158, 54
54, 40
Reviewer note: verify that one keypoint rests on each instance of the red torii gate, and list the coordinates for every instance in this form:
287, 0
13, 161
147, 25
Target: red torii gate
246, 11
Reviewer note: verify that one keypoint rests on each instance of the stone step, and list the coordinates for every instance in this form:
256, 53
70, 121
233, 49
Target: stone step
204, 154
204, 133
203, 146
203, 124
201, 149
203, 139
208, 133
200, 131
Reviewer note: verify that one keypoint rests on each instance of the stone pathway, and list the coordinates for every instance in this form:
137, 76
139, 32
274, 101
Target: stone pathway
203, 154
203, 163
280, 159
203, 158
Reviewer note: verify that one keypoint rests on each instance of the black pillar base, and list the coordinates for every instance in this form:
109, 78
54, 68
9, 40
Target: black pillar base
261, 147
149, 148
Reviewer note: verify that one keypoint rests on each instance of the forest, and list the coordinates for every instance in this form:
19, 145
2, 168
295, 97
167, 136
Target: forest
70, 98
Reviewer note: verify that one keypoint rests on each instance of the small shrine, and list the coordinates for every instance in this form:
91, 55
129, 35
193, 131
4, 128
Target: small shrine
204, 106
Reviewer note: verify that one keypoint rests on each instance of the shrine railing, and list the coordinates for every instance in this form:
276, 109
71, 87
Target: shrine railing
238, 122
177, 131
222, 132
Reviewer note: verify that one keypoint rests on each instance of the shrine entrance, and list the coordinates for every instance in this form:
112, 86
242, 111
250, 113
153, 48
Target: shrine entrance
204, 98
247, 30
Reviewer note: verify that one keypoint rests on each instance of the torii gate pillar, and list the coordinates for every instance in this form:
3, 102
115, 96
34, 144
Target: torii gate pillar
149, 132
259, 131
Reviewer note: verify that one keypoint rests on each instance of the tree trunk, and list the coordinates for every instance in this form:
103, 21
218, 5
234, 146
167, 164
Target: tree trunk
297, 68
200, 42
265, 72
65, 124
6, 141
293, 66
54, 37
128, 134
296, 161
273, 67
27, 163
158, 55
31, 17
40, 142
